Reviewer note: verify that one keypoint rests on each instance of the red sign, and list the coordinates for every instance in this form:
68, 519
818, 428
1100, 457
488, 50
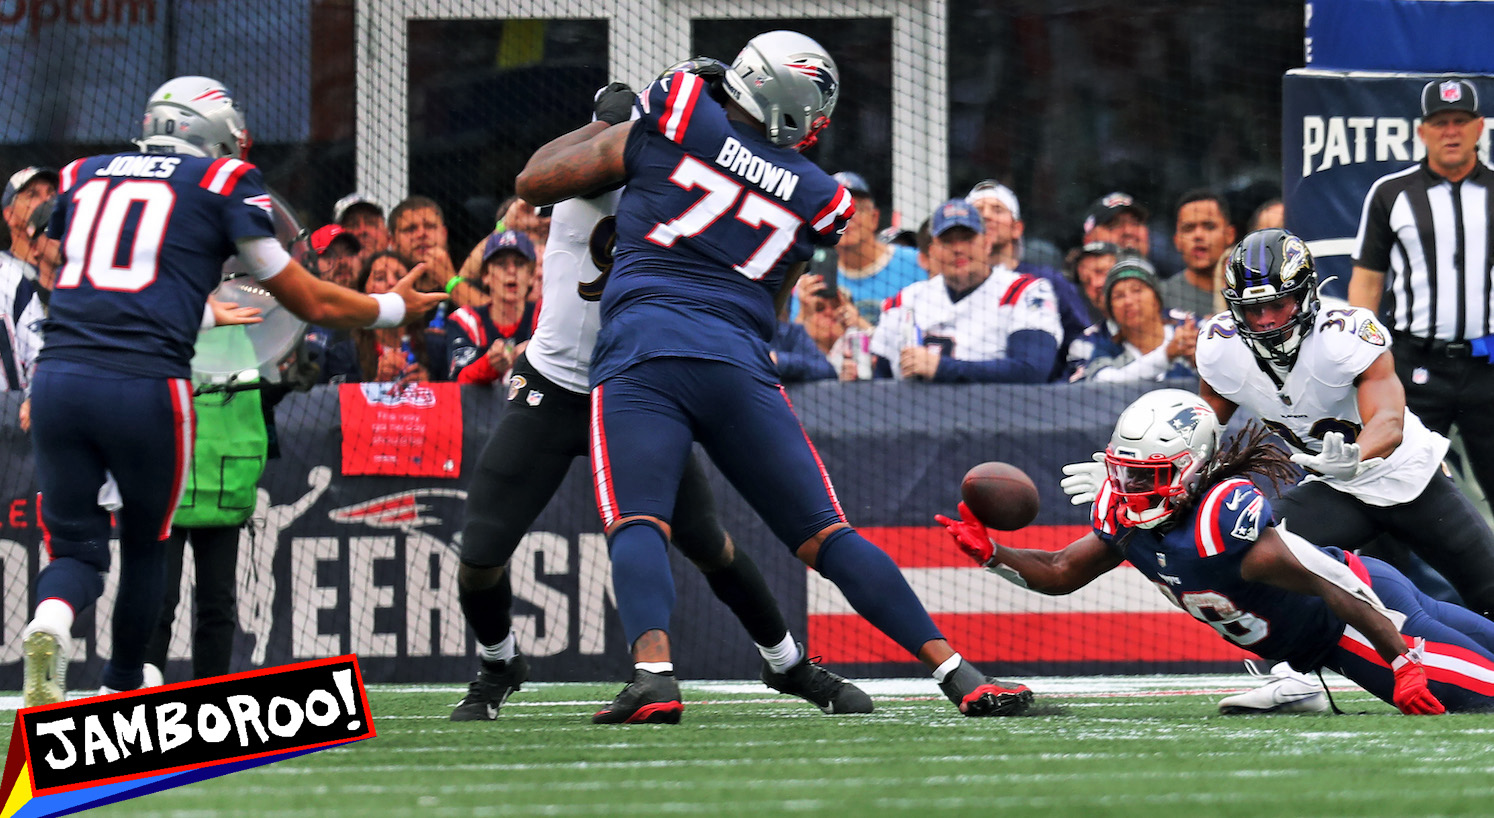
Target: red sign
411, 432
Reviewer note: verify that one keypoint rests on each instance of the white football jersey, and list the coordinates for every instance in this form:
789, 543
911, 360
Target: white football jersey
976, 327
560, 348
1319, 396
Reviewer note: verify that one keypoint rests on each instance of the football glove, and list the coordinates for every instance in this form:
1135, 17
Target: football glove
1084, 480
1411, 695
969, 534
1338, 459
613, 103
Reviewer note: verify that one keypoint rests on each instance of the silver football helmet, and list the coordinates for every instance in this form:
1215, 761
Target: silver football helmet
194, 115
1161, 444
789, 83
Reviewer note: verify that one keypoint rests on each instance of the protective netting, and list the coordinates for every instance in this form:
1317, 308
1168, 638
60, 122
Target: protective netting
1062, 102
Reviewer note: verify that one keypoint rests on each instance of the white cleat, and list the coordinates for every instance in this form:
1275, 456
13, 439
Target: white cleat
46, 657
1285, 691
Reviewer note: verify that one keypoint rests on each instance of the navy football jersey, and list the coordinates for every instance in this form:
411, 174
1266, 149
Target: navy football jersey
1197, 566
711, 219
144, 238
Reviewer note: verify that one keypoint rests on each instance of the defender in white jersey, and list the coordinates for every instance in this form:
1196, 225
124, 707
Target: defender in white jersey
544, 428
1322, 376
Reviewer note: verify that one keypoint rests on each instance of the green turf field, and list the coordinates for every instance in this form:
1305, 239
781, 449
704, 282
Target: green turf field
1131, 746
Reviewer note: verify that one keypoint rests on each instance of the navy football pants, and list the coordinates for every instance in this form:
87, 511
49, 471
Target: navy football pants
645, 418
1458, 651
86, 421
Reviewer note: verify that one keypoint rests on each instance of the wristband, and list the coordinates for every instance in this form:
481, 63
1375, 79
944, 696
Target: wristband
391, 310
208, 321
452, 284
1400, 661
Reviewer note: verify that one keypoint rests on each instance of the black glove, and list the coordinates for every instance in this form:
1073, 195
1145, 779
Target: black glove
614, 103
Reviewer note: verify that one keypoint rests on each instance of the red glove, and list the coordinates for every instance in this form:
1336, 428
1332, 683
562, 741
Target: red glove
969, 534
1411, 693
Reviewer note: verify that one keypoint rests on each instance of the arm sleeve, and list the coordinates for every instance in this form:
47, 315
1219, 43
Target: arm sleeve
1374, 240
1030, 354
1149, 367
798, 357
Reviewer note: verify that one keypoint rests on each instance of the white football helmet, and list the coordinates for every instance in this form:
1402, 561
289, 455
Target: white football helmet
197, 116
1160, 446
789, 83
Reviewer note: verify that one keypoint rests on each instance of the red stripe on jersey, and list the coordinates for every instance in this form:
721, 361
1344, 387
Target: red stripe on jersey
894, 301
222, 175
69, 176
1207, 534
1357, 566
1014, 291
684, 92
820, 464
1001, 638
184, 422
601, 466
473, 325
841, 207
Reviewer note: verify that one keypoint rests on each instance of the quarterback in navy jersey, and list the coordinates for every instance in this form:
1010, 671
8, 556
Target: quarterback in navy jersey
141, 239
1179, 509
719, 216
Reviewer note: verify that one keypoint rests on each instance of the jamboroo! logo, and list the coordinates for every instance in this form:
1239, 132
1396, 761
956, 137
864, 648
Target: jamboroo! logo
89, 752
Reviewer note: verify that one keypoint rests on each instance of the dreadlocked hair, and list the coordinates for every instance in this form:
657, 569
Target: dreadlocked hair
1254, 450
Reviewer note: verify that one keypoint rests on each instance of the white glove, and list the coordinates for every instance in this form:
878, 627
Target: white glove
1338, 459
1084, 480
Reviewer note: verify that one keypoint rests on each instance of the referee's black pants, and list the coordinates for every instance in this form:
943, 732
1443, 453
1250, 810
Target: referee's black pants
1447, 386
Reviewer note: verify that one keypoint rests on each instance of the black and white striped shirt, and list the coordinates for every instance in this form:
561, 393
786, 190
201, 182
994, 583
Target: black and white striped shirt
1435, 240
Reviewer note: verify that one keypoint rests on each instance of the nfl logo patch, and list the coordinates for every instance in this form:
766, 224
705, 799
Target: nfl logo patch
1451, 91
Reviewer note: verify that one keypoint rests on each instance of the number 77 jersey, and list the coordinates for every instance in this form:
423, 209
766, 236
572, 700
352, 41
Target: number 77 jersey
712, 217
144, 238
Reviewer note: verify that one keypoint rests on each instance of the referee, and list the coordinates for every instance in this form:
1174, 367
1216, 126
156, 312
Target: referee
1429, 228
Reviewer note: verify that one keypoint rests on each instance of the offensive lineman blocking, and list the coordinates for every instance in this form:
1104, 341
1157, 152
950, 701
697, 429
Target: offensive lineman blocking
527, 457
720, 213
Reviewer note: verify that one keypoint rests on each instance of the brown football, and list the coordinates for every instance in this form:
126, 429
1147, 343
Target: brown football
1001, 495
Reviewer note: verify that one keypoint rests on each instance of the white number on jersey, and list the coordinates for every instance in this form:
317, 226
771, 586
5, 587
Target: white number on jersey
720, 192
1218, 612
101, 218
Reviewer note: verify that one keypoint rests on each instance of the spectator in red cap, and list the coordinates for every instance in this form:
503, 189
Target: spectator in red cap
337, 251
485, 341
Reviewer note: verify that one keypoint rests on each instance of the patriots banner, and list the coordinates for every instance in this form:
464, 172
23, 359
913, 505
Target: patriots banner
1342, 130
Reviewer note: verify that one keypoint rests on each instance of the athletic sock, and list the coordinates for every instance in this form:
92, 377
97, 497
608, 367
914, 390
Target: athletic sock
741, 586
501, 652
782, 656
487, 610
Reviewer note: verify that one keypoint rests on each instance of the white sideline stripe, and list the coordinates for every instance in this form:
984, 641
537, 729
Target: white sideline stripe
971, 590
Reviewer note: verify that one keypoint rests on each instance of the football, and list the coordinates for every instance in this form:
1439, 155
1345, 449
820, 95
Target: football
1001, 495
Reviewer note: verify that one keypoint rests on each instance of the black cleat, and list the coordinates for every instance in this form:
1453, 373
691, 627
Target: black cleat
809, 681
979, 695
491, 689
651, 698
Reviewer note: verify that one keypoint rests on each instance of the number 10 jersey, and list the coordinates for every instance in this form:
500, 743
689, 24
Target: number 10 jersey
144, 238
712, 217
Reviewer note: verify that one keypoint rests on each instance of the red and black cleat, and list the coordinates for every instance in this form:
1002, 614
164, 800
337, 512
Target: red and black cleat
651, 698
979, 695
